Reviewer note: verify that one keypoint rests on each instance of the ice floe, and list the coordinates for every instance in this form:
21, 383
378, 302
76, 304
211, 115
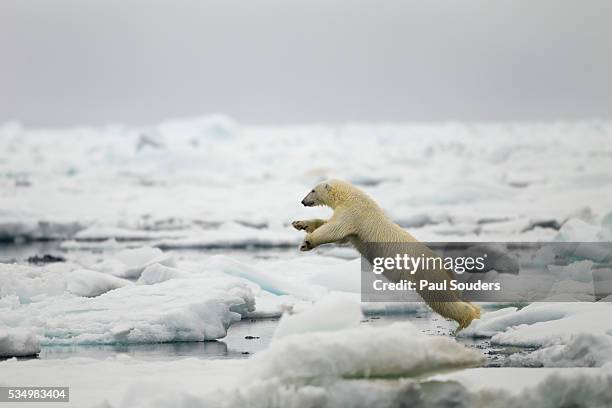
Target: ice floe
394, 350
70, 305
176, 310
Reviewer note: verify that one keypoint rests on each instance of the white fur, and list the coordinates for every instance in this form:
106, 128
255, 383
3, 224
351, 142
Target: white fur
359, 220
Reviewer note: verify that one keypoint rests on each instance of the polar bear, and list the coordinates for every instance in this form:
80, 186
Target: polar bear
359, 220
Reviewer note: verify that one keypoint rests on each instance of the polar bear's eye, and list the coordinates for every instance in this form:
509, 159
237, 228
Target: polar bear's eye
312, 191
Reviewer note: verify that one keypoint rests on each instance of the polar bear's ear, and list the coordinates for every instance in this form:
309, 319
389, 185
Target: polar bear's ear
327, 186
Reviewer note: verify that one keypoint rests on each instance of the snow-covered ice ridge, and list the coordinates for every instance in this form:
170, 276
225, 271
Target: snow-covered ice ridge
210, 182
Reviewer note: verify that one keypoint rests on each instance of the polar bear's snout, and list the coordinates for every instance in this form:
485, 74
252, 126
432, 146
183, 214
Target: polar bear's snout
309, 200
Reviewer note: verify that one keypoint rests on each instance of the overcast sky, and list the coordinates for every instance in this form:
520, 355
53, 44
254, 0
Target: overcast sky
283, 61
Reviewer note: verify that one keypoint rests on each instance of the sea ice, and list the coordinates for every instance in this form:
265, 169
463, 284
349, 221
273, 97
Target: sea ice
184, 185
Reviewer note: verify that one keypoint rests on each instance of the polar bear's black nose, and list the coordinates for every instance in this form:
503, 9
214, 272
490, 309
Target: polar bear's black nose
304, 202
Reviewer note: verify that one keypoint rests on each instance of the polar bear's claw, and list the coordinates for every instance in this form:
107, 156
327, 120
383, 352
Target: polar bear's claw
299, 225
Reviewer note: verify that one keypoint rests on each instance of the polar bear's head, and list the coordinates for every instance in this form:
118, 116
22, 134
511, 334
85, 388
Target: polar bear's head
329, 193
333, 193
319, 195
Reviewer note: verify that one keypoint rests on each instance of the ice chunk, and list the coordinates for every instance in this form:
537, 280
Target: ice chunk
576, 230
110, 243
576, 271
344, 277
138, 258
269, 305
266, 280
397, 349
580, 350
532, 387
175, 310
129, 263
333, 312
83, 282
18, 342
30, 282
542, 324
156, 273
111, 266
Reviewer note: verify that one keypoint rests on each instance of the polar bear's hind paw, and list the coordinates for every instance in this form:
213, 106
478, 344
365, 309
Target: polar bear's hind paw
306, 246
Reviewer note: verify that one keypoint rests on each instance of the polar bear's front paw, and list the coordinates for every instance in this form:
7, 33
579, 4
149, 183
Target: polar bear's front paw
306, 246
299, 225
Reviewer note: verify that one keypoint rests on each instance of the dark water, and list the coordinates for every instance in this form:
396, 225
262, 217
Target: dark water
243, 339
